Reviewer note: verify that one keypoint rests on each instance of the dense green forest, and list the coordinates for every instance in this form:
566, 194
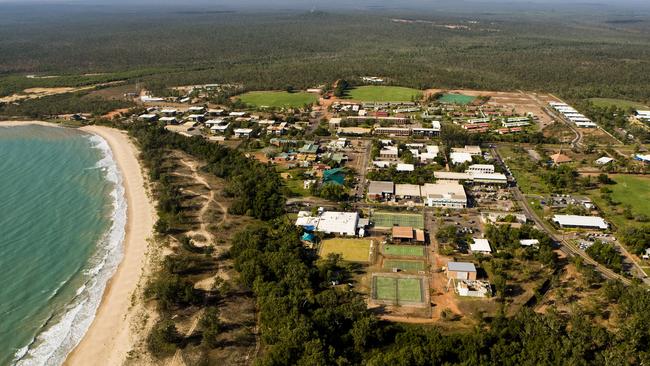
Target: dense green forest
579, 57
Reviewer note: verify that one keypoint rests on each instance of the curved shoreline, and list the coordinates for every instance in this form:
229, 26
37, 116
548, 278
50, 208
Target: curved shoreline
111, 336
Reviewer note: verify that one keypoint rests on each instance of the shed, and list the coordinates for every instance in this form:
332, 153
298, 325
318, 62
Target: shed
461, 270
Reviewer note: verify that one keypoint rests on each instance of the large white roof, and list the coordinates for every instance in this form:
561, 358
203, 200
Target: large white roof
481, 245
405, 167
411, 190
528, 242
581, 221
330, 222
460, 157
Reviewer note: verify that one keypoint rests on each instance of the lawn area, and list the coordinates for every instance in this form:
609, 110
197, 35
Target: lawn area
383, 94
353, 250
620, 103
388, 220
628, 190
404, 250
404, 265
278, 98
524, 170
456, 99
402, 289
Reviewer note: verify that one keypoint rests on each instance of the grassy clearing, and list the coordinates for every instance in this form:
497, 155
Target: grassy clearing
278, 99
629, 190
354, 250
404, 265
620, 103
387, 219
524, 170
383, 94
404, 250
456, 99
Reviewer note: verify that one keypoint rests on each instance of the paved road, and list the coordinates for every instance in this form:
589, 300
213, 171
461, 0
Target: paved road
577, 141
363, 168
566, 246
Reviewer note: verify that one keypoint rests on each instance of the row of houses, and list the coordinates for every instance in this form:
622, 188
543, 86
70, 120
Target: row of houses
573, 115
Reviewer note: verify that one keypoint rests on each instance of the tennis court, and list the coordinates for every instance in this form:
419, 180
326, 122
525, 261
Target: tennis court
404, 250
456, 99
404, 265
398, 289
388, 220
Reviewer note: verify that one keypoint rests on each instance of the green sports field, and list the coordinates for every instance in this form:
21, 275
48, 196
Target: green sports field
278, 99
628, 190
401, 289
404, 250
620, 103
456, 99
383, 94
388, 220
354, 250
404, 265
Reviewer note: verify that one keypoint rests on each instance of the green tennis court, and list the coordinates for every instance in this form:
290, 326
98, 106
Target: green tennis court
409, 289
404, 265
401, 289
456, 99
388, 220
404, 250
386, 288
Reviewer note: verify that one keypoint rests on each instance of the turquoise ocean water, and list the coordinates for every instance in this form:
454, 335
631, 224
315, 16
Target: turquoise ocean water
62, 218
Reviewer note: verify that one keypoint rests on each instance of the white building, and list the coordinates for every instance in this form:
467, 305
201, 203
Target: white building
149, 117
529, 242
219, 129
460, 157
243, 132
407, 191
469, 149
405, 167
451, 195
480, 168
169, 120
196, 110
604, 160
389, 152
591, 222
480, 246
487, 178
340, 223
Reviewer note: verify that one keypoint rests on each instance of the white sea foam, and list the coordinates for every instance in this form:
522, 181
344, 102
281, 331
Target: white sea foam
64, 331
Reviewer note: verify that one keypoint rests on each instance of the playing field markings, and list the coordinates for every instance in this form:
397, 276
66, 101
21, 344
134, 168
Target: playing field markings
388, 220
404, 250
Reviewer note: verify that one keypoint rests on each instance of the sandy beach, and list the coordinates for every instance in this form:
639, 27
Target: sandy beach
112, 333
25, 123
